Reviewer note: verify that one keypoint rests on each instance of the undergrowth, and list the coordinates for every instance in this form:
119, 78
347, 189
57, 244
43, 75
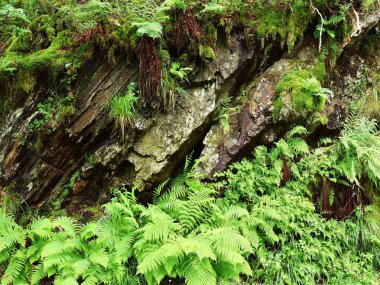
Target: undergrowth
254, 224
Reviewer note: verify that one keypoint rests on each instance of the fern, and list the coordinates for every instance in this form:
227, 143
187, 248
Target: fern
194, 233
150, 29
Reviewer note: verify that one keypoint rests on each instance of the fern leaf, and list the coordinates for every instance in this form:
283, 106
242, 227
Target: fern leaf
15, 268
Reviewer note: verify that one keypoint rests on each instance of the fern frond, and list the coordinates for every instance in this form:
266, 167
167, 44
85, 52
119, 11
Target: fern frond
157, 258
67, 224
158, 190
15, 268
38, 274
200, 272
297, 130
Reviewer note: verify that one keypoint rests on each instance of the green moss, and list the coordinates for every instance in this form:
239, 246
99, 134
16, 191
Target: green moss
319, 70
55, 58
299, 94
165, 56
44, 26
5, 105
207, 53
19, 43
288, 22
65, 112
277, 107
24, 81
211, 31
12, 61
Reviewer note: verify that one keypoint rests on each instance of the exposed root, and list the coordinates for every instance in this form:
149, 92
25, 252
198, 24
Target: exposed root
286, 172
150, 71
339, 201
186, 29
91, 34
328, 62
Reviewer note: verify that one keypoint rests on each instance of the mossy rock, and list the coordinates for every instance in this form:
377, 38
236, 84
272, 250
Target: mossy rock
207, 53
299, 95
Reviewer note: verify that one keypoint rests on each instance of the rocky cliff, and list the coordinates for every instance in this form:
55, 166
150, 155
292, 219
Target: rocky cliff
231, 104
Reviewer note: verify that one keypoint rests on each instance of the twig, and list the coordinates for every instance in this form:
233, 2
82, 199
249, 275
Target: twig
358, 28
322, 23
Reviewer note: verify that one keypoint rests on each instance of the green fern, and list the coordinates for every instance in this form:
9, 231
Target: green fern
150, 29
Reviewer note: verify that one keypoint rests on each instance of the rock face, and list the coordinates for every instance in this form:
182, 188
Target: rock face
83, 156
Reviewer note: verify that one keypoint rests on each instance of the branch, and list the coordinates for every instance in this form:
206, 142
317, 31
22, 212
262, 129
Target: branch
322, 23
358, 27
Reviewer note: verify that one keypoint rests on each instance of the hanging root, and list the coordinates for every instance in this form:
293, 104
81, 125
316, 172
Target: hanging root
328, 62
150, 71
338, 201
286, 172
91, 34
186, 30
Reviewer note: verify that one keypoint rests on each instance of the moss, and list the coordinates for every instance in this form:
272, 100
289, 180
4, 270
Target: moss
5, 105
12, 61
299, 94
319, 70
41, 23
56, 58
207, 53
20, 43
165, 57
316, 119
65, 112
44, 26
24, 81
288, 22
211, 31
184, 59
277, 108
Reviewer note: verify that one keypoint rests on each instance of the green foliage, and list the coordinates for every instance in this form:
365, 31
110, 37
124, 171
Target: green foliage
225, 110
256, 221
60, 36
56, 205
260, 226
62, 25
359, 141
299, 95
50, 113
335, 25
175, 4
173, 75
86, 16
12, 21
150, 29
370, 4
286, 19
123, 107
57, 248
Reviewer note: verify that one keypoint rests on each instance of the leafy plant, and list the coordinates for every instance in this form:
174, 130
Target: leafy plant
255, 223
52, 112
150, 29
12, 20
172, 77
123, 107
